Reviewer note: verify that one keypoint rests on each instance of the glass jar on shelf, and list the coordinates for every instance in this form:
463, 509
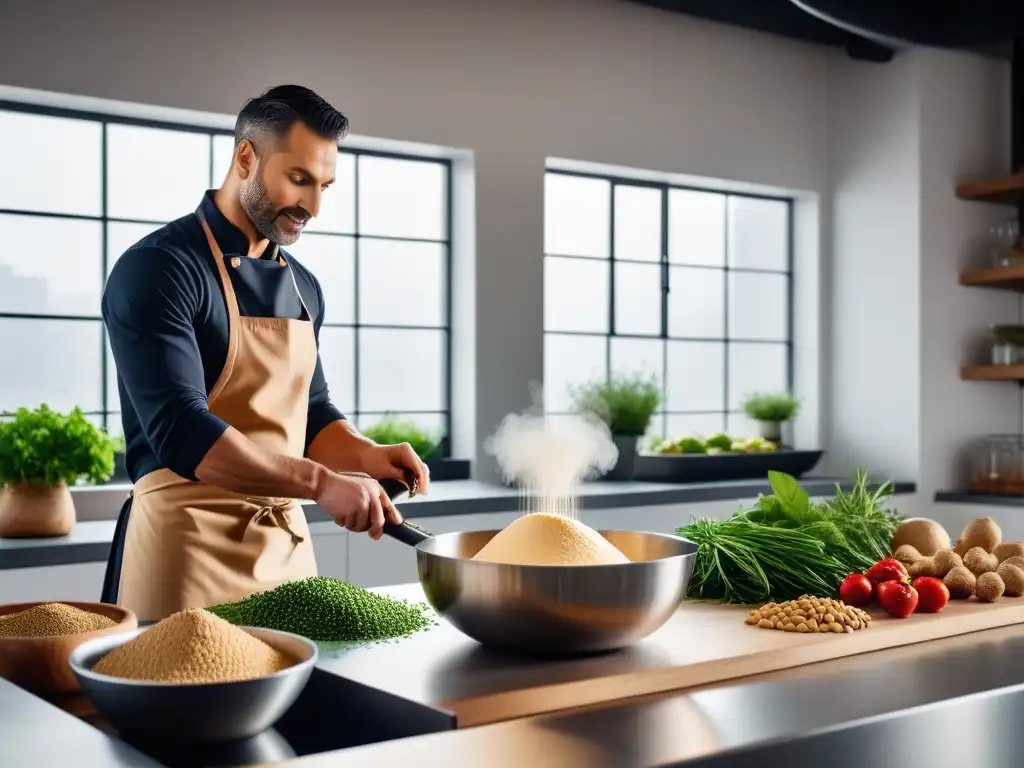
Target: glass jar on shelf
1007, 344
1006, 245
997, 465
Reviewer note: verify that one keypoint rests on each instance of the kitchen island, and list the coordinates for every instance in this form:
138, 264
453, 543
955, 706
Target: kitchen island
437, 699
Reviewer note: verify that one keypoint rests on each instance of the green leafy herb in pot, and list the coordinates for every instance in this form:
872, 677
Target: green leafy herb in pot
771, 406
42, 453
45, 448
625, 403
392, 431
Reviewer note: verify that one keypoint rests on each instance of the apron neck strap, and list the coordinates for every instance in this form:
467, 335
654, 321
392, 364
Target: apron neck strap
225, 279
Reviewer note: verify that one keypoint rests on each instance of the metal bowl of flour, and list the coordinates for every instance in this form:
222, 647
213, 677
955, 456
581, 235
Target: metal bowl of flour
194, 713
553, 609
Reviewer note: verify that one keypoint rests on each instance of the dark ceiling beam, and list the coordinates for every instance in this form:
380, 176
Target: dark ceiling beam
959, 24
779, 17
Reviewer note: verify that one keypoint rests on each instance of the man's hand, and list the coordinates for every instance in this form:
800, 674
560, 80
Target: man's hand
398, 462
340, 447
356, 503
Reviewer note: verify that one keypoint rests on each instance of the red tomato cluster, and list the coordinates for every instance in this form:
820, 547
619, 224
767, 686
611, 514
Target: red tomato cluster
888, 582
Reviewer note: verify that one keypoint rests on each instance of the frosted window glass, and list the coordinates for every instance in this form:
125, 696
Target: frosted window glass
58, 364
402, 198
154, 174
575, 295
696, 228
695, 376
758, 233
638, 299
401, 370
571, 361
577, 215
401, 283
637, 223
758, 306
51, 164
50, 266
696, 303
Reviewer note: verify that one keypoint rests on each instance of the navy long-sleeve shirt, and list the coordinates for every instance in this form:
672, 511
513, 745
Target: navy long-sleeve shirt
167, 321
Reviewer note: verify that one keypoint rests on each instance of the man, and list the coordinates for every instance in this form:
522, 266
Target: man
227, 418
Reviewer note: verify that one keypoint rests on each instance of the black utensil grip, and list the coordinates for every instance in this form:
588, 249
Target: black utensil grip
393, 488
407, 533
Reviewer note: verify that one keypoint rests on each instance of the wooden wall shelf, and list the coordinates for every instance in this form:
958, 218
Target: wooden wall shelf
992, 373
1009, 278
1007, 190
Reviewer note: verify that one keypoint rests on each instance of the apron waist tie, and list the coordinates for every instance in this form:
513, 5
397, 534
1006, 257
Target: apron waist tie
274, 510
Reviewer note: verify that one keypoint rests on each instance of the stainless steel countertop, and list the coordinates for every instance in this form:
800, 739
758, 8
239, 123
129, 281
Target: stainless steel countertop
36, 734
956, 702
446, 671
968, 690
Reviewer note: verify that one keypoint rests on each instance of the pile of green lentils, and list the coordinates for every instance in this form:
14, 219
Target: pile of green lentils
328, 610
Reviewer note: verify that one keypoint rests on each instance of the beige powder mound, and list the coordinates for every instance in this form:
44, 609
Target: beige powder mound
192, 646
50, 620
545, 539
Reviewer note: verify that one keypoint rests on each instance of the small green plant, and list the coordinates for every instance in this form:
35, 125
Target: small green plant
625, 403
45, 448
119, 444
771, 406
392, 430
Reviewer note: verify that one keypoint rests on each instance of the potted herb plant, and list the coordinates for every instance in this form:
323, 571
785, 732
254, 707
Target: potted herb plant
771, 410
392, 430
42, 453
626, 403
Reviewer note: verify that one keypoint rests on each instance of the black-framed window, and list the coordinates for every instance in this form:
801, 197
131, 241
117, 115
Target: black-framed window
79, 188
691, 285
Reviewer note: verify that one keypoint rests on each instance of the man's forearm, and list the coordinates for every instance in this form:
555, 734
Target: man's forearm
235, 463
339, 447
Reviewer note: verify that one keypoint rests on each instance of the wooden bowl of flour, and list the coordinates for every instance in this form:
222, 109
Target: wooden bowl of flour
37, 660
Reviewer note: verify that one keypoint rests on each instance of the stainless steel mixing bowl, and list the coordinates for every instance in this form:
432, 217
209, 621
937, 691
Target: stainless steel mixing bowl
569, 609
198, 713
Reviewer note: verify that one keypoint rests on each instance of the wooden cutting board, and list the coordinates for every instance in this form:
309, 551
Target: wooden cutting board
703, 644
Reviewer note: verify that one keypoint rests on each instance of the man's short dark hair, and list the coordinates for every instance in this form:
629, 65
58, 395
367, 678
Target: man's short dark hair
278, 109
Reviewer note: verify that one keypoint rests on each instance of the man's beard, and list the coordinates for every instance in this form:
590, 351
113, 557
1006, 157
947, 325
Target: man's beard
264, 214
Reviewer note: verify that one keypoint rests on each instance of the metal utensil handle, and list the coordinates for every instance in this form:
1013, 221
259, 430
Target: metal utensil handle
407, 533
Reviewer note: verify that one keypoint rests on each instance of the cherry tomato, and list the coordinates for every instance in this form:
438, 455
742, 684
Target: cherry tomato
887, 570
897, 598
932, 592
856, 590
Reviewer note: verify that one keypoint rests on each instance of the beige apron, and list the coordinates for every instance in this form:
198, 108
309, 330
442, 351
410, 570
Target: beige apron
192, 545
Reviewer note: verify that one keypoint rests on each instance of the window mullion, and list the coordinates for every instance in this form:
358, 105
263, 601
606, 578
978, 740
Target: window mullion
104, 373
611, 282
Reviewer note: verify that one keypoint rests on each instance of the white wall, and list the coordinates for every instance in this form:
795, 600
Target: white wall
900, 138
514, 82
874, 131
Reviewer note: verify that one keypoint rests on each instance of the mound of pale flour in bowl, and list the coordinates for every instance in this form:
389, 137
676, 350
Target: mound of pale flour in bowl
541, 538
